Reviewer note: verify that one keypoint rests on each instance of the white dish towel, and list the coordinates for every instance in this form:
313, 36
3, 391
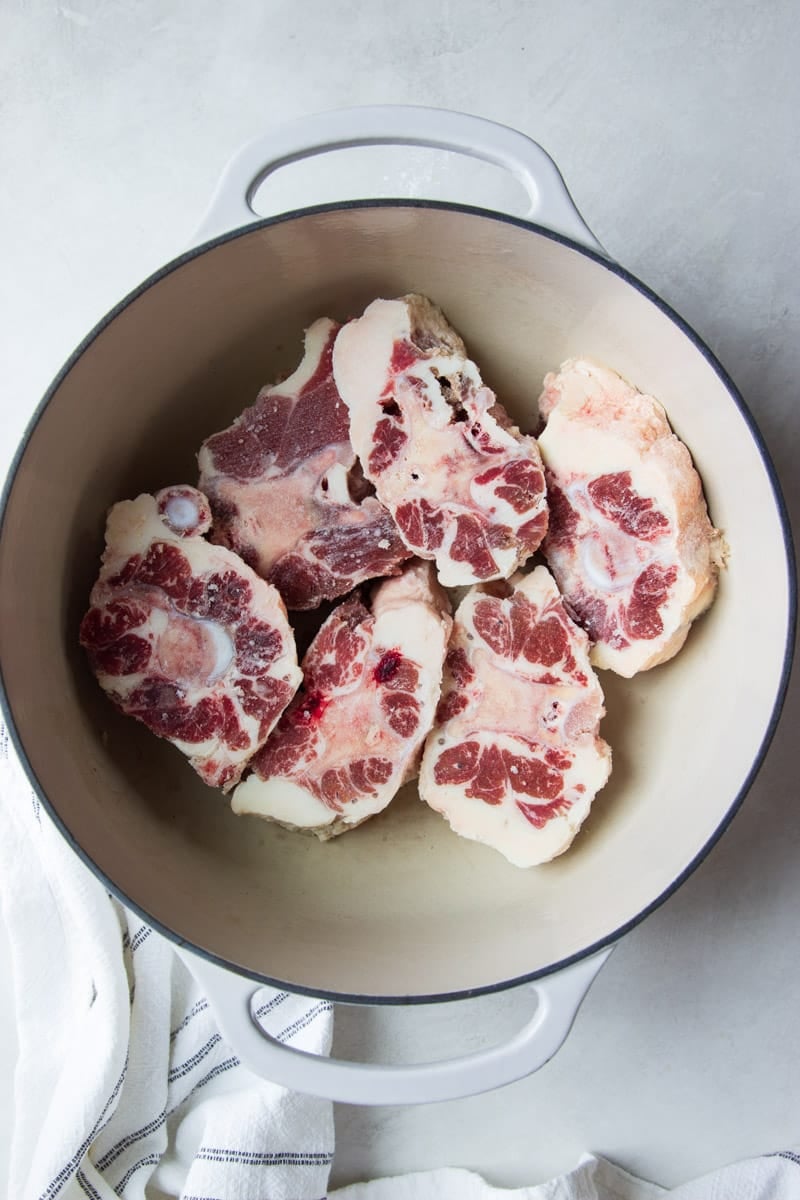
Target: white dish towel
124, 1088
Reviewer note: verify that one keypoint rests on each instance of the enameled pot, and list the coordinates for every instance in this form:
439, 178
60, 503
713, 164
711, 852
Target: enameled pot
400, 910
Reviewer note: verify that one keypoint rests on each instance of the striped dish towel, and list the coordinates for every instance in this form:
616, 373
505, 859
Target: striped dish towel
123, 1086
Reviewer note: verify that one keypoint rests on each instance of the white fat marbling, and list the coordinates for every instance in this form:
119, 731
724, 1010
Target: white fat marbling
281, 800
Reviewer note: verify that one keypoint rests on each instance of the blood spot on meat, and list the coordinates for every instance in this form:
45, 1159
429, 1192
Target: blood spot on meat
388, 440
126, 656
166, 567
404, 677
642, 619
388, 666
309, 709
103, 626
617, 500
257, 646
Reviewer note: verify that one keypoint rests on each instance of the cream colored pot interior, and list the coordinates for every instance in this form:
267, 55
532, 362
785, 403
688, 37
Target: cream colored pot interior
401, 906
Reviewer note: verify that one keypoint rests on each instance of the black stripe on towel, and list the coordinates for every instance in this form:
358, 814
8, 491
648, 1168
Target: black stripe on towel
199, 1007
149, 1160
198, 1056
263, 1009
141, 935
114, 1152
256, 1158
55, 1185
122, 1146
324, 1006
790, 1156
220, 1069
87, 1187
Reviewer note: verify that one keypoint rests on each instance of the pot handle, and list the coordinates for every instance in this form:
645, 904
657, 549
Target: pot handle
406, 125
232, 999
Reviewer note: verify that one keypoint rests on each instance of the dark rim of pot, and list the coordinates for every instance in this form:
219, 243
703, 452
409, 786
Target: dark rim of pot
613, 936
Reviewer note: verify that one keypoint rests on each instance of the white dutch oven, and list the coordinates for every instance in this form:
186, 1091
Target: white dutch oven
400, 910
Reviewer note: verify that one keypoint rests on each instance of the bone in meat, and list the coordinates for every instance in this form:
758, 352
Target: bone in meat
630, 541
287, 494
353, 734
182, 635
514, 758
465, 487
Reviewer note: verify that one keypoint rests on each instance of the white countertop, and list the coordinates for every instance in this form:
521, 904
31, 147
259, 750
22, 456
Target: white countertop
675, 126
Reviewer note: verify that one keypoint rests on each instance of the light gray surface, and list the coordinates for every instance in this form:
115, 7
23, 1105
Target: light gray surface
675, 126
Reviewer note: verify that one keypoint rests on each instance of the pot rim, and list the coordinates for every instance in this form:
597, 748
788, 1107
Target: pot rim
780, 506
